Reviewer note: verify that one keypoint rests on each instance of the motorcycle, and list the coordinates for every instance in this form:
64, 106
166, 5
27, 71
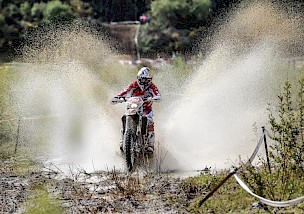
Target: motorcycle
134, 132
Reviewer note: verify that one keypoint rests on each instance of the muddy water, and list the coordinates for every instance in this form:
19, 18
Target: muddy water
206, 119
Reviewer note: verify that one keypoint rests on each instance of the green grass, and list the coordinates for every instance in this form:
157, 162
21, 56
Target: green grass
7, 77
229, 198
40, 202
19, 164
38, 199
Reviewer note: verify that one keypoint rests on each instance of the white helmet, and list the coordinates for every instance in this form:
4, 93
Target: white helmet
144, 78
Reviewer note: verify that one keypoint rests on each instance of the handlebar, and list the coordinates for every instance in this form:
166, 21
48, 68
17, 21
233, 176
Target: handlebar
122, 99
116, 100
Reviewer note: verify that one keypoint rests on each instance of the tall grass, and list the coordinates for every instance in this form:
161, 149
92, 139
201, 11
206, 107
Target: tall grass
7, 76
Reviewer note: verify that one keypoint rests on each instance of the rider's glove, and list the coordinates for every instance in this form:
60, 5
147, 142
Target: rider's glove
155, 98
115, 100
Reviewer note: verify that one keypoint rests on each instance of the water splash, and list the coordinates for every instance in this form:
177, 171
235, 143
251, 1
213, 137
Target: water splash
69, 72
66, 76
227, 97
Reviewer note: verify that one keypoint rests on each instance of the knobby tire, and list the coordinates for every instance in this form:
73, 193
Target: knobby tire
129, 150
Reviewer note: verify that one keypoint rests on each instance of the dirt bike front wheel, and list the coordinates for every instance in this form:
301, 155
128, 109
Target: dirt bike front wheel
130, 152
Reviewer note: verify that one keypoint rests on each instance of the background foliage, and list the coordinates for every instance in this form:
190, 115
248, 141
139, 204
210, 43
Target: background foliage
175, 25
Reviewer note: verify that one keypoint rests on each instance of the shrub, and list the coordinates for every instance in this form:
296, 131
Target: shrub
37, 11
56, 11
286, 156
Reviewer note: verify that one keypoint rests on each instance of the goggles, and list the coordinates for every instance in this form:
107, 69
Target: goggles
144, 80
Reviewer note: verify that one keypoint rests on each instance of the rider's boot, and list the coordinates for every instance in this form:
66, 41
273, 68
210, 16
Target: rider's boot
150, 146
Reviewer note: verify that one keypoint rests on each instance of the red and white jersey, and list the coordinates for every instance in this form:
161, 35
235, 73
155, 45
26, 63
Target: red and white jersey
133, 90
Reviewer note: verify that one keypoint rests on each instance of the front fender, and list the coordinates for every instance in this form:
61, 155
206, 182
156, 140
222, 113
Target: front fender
131, 111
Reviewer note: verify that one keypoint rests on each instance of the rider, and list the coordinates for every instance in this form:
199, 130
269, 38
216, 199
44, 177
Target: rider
146, 89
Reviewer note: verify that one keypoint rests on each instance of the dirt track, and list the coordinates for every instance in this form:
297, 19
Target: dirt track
97, 192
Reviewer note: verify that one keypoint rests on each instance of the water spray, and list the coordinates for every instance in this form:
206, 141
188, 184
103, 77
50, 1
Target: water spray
206, 117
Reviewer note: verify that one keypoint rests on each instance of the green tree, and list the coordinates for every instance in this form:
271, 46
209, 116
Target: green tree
16, 16
81, 8
56, 11
174, 25
37, 11
25, 10
10, 26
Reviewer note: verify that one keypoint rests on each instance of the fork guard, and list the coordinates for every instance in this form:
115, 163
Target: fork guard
144, 124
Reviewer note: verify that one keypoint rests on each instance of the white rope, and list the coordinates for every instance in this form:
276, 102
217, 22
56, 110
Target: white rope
257, 148
264, 200
267, 201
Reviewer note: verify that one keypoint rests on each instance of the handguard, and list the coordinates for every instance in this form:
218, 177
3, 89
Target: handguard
116, 100
152, 99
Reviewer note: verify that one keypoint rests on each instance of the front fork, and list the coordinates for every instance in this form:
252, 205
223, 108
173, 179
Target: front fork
138, 123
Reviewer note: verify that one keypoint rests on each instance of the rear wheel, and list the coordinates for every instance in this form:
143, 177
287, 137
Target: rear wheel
129, 150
